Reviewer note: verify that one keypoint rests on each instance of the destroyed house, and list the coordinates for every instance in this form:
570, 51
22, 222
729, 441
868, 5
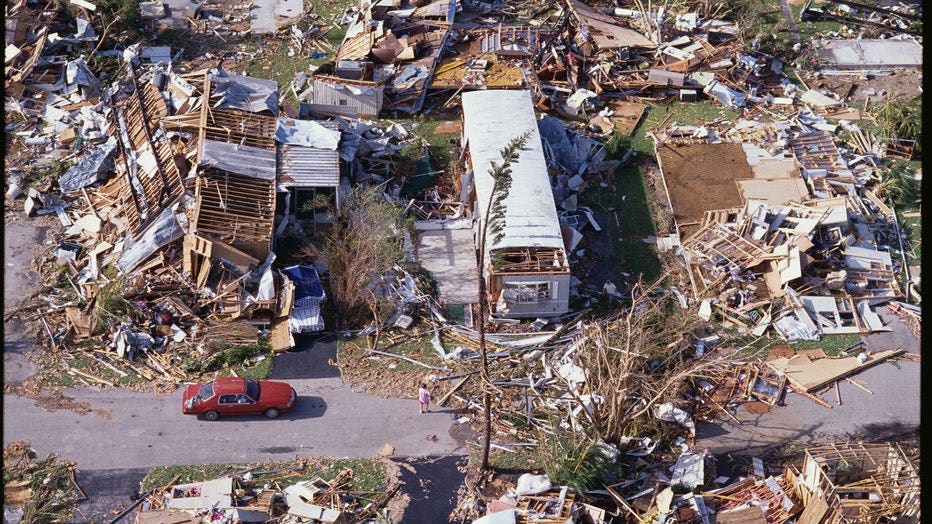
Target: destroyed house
235, 196
308, 167
853, 482
600, 32
527, 270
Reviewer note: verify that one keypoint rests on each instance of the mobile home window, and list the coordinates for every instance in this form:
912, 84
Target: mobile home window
526, 292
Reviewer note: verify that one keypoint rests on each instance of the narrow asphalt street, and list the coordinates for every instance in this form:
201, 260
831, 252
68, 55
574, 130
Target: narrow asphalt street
127, 432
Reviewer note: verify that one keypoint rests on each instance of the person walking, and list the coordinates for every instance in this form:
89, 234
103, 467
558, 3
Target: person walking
423, 398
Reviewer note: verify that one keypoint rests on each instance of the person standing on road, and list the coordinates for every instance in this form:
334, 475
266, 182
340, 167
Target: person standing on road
423, 398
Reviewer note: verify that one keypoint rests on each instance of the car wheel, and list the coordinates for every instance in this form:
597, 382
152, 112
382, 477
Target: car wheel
211, 415
272, 413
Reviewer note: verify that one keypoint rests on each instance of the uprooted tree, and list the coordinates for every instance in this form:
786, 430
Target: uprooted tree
639, 359
362, 245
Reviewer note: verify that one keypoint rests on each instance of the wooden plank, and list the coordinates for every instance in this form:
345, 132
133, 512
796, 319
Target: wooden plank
443, 400
813, 375
814, 511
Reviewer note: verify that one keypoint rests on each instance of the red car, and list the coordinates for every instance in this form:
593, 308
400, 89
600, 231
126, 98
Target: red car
238, 396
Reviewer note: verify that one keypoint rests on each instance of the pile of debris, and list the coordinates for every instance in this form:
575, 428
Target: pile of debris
244, 498
840, 482
807, 266
37, 490
171, 212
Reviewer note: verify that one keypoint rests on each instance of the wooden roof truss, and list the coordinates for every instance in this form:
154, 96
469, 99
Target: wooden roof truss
235, 209
150, 178
529, 260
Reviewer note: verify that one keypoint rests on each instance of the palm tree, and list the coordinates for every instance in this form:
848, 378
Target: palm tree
494, 223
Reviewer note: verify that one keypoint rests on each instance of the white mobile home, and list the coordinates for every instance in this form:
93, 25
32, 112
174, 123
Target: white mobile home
528, 273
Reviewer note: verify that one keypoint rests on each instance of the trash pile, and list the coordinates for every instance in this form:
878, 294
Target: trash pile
841, 482
804, 266
245, 498
37, 490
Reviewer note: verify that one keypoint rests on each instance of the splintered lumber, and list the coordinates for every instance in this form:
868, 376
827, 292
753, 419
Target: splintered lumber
812, 397
402, 357
91, 377
458, 385
859, 385
812, 375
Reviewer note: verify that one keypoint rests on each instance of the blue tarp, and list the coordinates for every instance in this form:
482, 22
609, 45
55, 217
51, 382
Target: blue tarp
306, 282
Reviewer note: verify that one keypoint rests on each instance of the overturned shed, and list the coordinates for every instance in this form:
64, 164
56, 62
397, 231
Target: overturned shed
348, 88
528, 271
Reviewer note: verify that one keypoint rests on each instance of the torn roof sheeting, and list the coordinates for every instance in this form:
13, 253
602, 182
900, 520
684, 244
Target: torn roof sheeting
307, 133
868, 54
604, 30
242, 160
159, 234
89, 169
490, 119
244, 92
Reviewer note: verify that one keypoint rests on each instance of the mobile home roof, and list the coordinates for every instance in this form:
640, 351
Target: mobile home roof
491, 118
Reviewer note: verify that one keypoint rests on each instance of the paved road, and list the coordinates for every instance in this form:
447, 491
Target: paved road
890, 411
128, 429
128, 432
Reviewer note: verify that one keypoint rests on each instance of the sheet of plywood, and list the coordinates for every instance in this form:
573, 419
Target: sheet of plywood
810, 375
814, 511
750, 515
627, 116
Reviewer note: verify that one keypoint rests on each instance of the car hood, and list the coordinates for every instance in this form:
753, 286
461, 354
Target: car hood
271, 391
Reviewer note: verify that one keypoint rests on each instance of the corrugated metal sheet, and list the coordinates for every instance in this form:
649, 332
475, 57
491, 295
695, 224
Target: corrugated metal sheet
368, 101
308, 167
242, 160
444, 10
490, 119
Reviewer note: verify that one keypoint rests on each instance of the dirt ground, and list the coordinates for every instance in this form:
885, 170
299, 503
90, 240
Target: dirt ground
701, 177
900, 86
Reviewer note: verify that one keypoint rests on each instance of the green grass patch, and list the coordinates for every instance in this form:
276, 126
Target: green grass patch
832, 345
260, 370
628, 202
274, 63
523, 459
684, 113
368, 474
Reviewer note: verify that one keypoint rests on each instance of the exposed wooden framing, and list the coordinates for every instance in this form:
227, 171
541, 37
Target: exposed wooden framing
241, 127
236, 209
138, 118
530, 260
860, 482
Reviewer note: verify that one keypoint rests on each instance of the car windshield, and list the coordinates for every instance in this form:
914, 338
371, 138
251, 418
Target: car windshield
252, 389
206, 391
